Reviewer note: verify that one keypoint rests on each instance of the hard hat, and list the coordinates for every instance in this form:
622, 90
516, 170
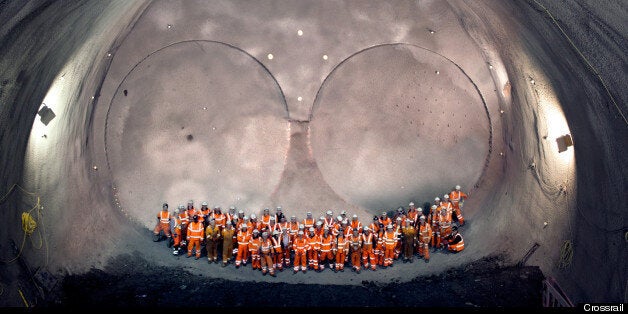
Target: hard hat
245, 217
383, 213
420, 209
231, 207
321, 218
301, 226
229, 223
272, 218
195, 217
398, 218
400, 209
339, 218
329, 213
366, 228
389, 226
446, 196
326, 228
434, 206
164, 205
345, 222
293, 217
422, 217
277, 232
204, 204
437, 199
255, 231
375, 218
309, 213
190, 202
240, 212
278, 208
311, 229
264, 234
181, 206
243, 227
344, 212
319, 223
408, 219
266, 209
411, 204
355, 216
457, 188
300, 233
217, 207
253, 216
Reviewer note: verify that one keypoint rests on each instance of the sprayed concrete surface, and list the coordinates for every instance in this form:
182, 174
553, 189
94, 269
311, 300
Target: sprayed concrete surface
310, 105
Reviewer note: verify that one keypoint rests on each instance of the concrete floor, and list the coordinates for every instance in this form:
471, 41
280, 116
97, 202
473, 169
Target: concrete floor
316, 105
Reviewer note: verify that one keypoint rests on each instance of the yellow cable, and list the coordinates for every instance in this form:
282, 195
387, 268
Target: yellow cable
23, 298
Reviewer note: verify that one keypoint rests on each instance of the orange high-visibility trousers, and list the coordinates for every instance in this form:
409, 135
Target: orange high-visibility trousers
355, 259
194, 244
327, 256
340, 259
165, 227
459, 215
243, 254
256, 260
177, 237
267, 264
389, 254
300, 258
368, 257
444, 232
313, 258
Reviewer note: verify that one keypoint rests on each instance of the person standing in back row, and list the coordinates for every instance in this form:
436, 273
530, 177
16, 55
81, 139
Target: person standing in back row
457, 198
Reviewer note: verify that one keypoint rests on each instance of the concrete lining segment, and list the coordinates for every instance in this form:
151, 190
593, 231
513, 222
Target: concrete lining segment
398, 123
180, 126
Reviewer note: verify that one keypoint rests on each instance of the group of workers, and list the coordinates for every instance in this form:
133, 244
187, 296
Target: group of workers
271, 242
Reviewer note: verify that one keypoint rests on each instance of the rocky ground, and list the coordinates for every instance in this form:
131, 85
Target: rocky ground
129, 282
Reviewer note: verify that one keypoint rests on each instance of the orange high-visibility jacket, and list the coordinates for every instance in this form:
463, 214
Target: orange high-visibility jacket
327, 242
414, 216
185, 218
355, 243
390, 239
314, 242
386, 221
300, 245
456, 196
329, 222
243, 238
342, 245
276, 245
265, 220
164, 216
254, 244
367, 241
195, 230
308, 223
425, 233
219, 218
191, 212
294, 228
266, 246
356, 224
444, 221
456, 243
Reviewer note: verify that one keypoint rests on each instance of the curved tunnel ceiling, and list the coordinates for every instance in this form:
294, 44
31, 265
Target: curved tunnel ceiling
313, 106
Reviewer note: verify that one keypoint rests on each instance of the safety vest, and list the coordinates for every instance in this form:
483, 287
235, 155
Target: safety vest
329, 222
220, 219
355, 243
355, 224
265, 220
266, 246
456, 196
185, 218
191, 212
243, 238
390, 238
300, 245
425, 232
254, 244
294, 228
284, 225
326, 243
367, 241
164, 217
413, 215
457, 247
195, 230
314, 242
177, 223
276, 244
444, 221
384, 221
308, 222
341, 244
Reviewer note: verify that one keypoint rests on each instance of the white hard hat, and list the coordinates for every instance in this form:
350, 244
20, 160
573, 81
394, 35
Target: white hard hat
204, 204
321, 218
278, 208
398, 218
420, 209
339, 218
319, 223
266, 209
241, 211
411, 204
383, 213
300, 233
457, 187
253, 216
293, 217
272, 217
344, 212
326, 228
277, 232
355, 216
400, 209
366, 228
301, 226
422, 217
231, 207
190, 202
329, 212
181, 206
311, 229
434, 206
243, 226
245, 217
389, 226
264, 234
446, 196
436, 199
309, 213
255, 231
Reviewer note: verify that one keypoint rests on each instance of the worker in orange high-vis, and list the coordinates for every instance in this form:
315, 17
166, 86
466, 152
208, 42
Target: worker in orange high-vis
300, 247
219, 217
212, 236
191, 210
355, 224
390, 242
368, 250
444, 223
425, 237
204, 213
308, 221
277, 250
286, 246
380, 246
254, 246
340, 250
409, 241
255, 223
267, 251
265, 219
177, 233
455, 242
457, 198
185, 221
355, 248
314, 243
163, 223
293, 227
228, 237
384, 219
326, 243
397, 226
447, 205
194, 237
243, 238
435, 224
413, 214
